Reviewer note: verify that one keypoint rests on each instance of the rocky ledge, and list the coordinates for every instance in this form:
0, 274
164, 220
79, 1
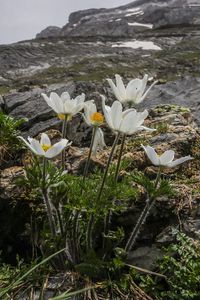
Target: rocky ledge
129, 19
176, 130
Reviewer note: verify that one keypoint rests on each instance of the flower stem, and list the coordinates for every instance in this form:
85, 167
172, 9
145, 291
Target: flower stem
91, 220
75, 229
85, 172
107, 167
47, 201
120, 157
107, 219
142, 218
89, 232
60, 221
64, 132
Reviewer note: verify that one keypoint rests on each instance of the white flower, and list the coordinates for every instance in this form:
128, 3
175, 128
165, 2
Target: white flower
134, 92
44, 147
126, 122
166, 159
91, 116
99, 142
64, 105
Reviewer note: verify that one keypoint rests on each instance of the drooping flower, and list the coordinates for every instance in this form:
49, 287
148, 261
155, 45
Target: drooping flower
166, 159
91, 116
134, 92
63, 105
126, 122
99, 142
44, 147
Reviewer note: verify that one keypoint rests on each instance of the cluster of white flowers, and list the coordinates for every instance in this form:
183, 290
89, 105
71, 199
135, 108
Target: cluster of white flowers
126, 122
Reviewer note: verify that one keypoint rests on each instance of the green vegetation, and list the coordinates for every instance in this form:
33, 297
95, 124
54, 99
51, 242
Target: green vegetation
9, 130
4, 89
180, 264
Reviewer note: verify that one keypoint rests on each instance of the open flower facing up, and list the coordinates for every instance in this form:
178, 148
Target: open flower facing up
44, 147
134, 93
63, 105
166, 159
91, 116
126, 122
99, 142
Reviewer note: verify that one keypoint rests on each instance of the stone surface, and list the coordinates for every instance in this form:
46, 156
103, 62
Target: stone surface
129, 19
145, 257
49, 32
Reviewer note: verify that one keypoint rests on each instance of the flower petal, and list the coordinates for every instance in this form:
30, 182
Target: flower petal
65, 97
133, 89
57, 148
80, 98
37, 147
142, 89
152, 155
57, 102
179, 161
50, 103
99, 142
145, 94
166, 157
128, 125
115, 90
107, 113
120, 86
89, 109
116, 114
28, 145
45, 139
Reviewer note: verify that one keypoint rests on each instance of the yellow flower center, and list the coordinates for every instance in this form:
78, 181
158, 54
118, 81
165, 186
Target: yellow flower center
97, 118
46, 147
62, 117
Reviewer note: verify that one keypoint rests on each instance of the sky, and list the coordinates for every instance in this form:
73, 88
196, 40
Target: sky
23, 19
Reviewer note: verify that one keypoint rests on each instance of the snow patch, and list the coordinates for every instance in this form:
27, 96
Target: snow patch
141, 24
144, 45
135, 13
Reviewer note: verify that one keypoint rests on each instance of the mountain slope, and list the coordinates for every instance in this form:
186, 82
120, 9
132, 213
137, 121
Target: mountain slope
129, 19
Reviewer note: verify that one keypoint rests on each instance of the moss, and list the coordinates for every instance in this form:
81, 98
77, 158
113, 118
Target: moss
51, 75
4, 89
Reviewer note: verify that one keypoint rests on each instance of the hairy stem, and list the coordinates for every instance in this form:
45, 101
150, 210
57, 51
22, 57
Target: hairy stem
60, 221
75, 228
89, 244
85, 172
107, 167
47, 201
142, 218
120, 157
140, 222
64, 131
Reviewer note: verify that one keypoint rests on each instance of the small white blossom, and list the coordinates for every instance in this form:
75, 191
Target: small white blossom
134, 92
63, 105
126, 122
166, 159
44, 147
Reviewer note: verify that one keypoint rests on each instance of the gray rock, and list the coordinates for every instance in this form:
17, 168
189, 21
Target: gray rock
145, 257
49, 32
32, 106
128, 19
184, 92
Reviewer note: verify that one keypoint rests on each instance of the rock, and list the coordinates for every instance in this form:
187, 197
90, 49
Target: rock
145, 257
50, 31
32, 106
129, 19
